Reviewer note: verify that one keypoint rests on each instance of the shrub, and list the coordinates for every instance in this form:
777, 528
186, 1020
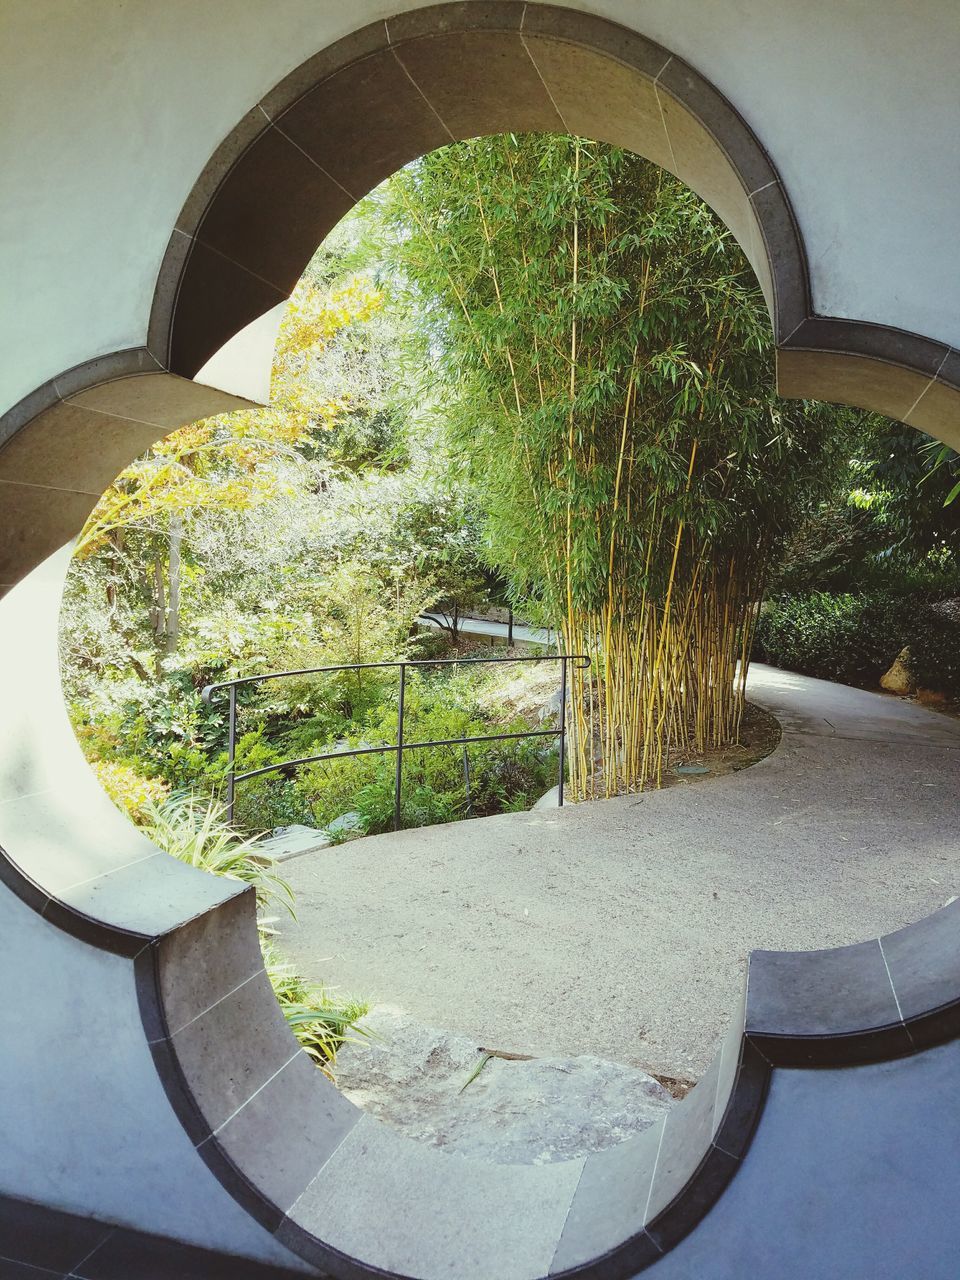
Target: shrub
935, 650
853, 638
503, 775
129, 791
316, 1017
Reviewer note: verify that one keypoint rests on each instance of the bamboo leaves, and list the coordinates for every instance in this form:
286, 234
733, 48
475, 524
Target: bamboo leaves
609, 365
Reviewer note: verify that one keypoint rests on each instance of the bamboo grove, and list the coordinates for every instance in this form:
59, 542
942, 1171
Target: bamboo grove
608, 378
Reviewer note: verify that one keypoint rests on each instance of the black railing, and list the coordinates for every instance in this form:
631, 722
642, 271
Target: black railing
401, 745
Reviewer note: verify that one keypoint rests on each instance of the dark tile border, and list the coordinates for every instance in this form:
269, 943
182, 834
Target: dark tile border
39, 1241
117, 364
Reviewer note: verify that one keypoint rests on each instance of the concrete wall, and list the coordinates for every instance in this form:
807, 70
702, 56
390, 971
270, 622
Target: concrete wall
111, 111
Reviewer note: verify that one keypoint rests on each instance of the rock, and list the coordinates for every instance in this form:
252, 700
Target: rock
414, 1078
550, 710
898, 679
348, 824
291, 842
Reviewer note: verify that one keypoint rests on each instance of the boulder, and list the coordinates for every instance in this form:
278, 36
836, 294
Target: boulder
291, 842
898, 679
417, 1079
549, 710
348, 824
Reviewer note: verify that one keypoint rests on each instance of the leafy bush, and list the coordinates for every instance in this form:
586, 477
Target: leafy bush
503, 775
935, 650
854, 638
129, 791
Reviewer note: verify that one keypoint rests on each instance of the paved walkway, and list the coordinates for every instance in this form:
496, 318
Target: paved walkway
621, 927
522, 634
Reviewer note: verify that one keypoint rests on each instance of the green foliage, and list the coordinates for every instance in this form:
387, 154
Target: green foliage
854, 637
910, 476
886, 523
935, 649
317, 1018
607, 372
592, 321
129, 791
503, 776
194, 829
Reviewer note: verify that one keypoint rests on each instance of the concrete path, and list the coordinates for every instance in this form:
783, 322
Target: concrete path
522, 634
621, 927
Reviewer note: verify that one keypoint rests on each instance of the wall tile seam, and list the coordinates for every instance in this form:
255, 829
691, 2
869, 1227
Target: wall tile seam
316, 164
256, 1093
90, 930
48, 396
583, 1165
873, 1043
406, 71
136, 353
203, 1012
540, 76
49, 488
789, 347
111, 1231
748, 135
94, 931
41, 1271
896, 998
27, 795
323, 1165
663, 121
816, 324
936, 380
125, 417
653, 1172
282, 295
135, 862
288, 106
621, 60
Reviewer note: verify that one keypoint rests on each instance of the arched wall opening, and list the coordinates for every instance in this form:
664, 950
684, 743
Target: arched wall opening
299, 159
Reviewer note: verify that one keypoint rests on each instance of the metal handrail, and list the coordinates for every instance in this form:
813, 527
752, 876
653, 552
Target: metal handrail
400, 746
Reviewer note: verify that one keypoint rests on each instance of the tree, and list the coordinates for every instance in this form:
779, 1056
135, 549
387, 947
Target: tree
224, 464
609, 383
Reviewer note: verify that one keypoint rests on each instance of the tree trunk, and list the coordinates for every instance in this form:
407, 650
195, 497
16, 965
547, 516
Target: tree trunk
173, 575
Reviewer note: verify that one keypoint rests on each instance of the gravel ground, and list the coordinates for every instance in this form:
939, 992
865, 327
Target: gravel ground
621, 928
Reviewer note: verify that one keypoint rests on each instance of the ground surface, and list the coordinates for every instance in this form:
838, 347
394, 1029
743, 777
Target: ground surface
621, 928
440, 1088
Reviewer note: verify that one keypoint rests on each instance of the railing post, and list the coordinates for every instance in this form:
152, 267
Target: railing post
466, 780
231, 752
563, 728
399, 774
